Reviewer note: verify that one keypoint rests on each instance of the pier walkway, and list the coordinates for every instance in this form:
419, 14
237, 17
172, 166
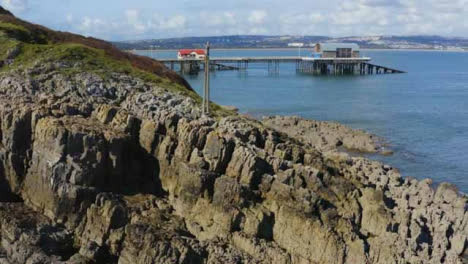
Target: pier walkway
318, 66
236, 59
382, 69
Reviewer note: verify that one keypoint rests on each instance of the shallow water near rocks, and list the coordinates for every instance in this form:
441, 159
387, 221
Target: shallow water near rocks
422, 114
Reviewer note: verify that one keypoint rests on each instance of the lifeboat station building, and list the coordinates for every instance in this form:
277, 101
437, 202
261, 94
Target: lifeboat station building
336, 50
325, 59
197, 54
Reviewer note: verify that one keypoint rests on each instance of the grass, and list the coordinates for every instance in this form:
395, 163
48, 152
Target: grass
6, 45
92, 60
20, 33
40, 45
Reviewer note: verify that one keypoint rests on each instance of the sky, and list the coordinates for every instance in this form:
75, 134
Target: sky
152, 19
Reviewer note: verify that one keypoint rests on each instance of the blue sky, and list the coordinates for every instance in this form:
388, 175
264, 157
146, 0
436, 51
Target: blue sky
146, 19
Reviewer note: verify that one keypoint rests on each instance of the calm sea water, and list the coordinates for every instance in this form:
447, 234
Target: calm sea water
422, 114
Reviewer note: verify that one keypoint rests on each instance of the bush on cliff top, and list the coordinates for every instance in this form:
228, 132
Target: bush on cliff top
36, 45
16, 30
36, 34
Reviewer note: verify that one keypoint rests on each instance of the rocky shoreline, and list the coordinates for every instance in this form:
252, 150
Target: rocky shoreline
114, 167
327, 136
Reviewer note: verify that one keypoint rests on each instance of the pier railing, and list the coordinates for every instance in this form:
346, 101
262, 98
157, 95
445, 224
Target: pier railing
317, 66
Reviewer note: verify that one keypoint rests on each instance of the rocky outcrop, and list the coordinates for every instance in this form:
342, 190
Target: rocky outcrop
327, 136
29, 237
123, 169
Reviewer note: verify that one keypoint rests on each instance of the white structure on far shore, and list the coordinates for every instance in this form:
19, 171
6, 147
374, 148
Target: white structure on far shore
296, 44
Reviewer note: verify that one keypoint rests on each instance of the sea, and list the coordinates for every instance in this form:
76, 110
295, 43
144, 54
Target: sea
422, 114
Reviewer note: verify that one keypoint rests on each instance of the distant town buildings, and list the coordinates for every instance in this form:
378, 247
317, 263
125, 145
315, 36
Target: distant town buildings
191, 54
296, 45
248, 41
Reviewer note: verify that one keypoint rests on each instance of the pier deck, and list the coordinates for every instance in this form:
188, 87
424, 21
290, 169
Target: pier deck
236, 59
317, 66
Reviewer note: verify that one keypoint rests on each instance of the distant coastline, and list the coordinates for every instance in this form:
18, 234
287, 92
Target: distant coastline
308, 48
293, 42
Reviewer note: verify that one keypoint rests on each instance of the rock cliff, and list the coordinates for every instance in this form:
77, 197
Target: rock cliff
106, 159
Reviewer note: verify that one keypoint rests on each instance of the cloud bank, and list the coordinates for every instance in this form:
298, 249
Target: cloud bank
121, 20
17, 6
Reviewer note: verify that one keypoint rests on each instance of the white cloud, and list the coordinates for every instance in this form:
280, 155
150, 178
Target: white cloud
411, 16
69, 18
97, 27
15, 5
218, 19
380, 3
133, 25
359, 14
302, 23
322, 17
163, 23
133, 19
257, 30
433, 17
132, 15
304, 19
91, 23
175, 22
257, 16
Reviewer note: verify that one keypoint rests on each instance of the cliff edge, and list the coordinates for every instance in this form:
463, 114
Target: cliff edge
105, 158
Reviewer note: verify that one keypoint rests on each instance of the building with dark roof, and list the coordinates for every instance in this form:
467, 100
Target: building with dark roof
337, 50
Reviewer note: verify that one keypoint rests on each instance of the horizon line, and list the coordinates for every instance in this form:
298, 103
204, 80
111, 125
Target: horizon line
297, 36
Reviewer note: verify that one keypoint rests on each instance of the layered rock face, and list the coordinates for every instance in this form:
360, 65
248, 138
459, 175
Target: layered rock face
118, 169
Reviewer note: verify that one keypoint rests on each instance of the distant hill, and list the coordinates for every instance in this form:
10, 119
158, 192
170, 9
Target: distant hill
260, 41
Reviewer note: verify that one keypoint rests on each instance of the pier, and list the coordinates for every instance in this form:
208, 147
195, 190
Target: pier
316, 66
326, 59
227, 63
342, 66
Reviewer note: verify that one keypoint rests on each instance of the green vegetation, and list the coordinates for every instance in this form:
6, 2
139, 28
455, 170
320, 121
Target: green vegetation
35, 49
22, 34
6, 45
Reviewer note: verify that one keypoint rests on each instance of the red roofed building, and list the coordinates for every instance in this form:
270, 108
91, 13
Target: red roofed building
191, 54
